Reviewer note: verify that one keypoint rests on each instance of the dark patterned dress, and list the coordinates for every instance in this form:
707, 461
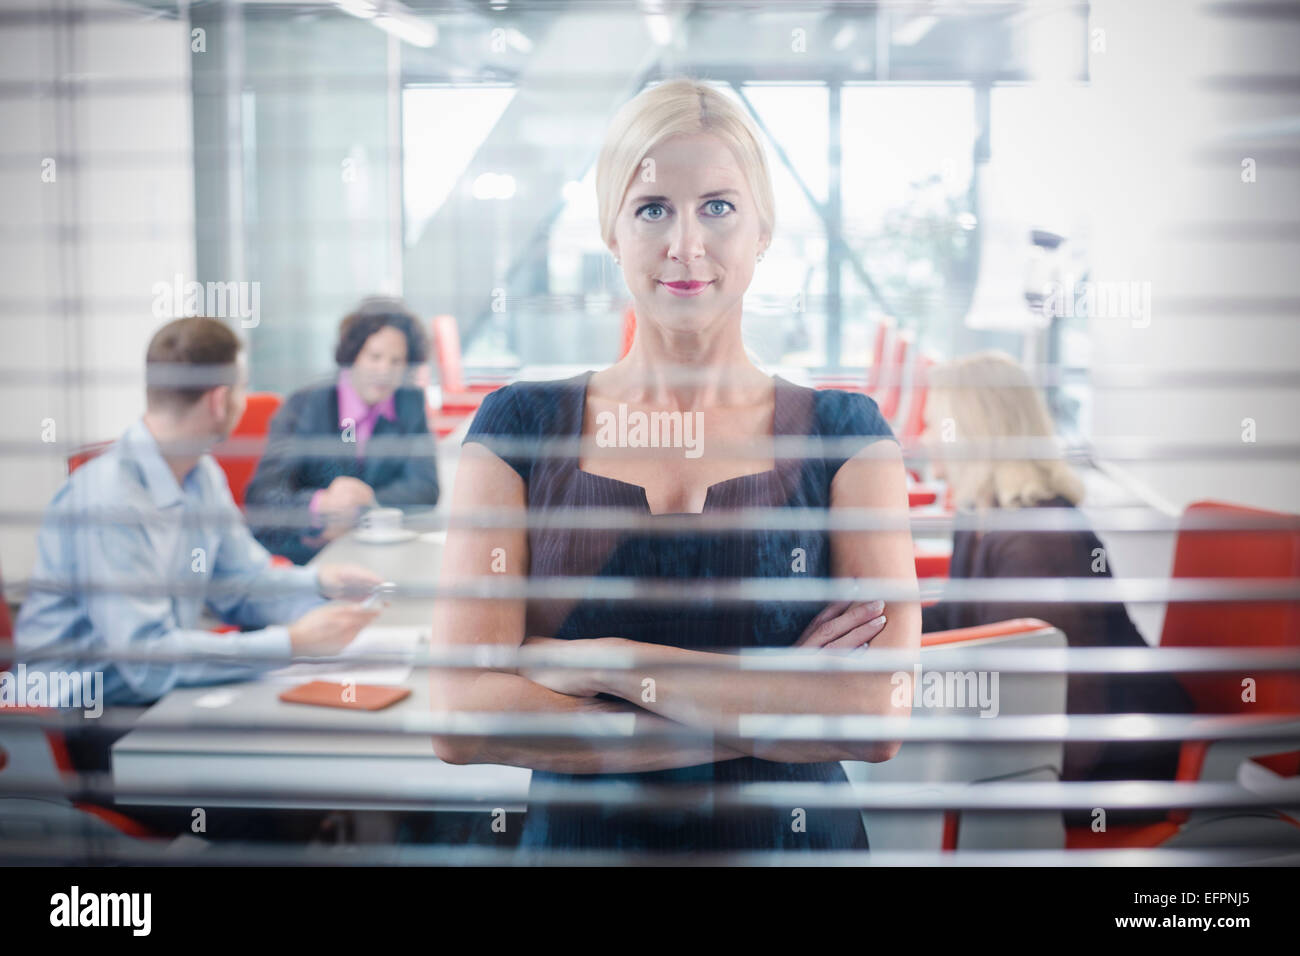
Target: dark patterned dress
527, 412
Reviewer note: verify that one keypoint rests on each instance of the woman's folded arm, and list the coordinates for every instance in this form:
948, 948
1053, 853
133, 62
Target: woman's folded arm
499, 693
873, 482
707, 697
484, 481
698, 698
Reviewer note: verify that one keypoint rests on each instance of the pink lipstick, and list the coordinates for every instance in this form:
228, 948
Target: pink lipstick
686, 288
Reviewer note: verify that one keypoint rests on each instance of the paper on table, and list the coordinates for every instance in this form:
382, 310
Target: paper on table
393, 650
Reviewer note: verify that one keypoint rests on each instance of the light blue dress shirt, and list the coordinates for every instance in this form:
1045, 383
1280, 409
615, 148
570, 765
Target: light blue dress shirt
127, 559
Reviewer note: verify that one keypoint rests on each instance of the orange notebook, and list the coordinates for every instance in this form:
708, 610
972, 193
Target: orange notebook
348, 696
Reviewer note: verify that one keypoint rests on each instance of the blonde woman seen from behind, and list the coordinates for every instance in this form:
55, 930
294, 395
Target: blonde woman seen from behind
991, 437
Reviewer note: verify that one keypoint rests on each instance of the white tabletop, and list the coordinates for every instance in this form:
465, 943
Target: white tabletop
411, 564
308, 749
298, 752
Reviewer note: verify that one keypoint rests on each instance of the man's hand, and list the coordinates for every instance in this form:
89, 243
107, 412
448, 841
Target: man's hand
332, 530
844, 625
346, 495
328, 629
346, 580
337, 508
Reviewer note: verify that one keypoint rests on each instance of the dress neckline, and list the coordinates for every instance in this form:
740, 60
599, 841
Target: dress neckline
780, 396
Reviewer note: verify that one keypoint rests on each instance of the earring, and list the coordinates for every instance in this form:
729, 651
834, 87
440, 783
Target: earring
617, 260
760, 257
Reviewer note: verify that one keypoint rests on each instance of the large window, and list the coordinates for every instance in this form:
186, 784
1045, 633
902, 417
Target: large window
907, 166
442, 127
914, 247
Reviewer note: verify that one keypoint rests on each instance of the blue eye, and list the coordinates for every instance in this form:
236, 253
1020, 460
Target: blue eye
713, 203
652, 205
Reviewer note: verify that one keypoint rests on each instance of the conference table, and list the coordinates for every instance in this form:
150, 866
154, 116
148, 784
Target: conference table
198, 739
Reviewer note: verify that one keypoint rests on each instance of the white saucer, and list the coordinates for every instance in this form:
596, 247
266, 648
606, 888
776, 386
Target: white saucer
385, 537
216, 698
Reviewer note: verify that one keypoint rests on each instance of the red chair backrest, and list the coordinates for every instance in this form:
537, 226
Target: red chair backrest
878, 348
919, 387
629, 331
6, 622
33, 754
1269, 552
980, 632
446, 348
240, 466
891, 389
85, 454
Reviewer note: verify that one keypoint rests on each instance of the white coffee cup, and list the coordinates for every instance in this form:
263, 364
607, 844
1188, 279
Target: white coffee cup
381, 522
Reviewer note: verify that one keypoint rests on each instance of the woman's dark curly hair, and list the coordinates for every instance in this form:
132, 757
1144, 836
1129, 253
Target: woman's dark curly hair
373, 314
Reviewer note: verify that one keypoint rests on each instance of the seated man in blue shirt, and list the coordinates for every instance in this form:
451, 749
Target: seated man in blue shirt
139, 540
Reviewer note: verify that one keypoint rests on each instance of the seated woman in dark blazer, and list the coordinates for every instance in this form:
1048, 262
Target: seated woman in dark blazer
985, 397
369, 410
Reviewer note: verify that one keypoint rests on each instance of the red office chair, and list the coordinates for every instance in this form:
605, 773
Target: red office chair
239, 468
913, 424
866, 382
887, 399
256, 423
440, 423
33, 755
886, 391
932, 565
889, 390
1273, 552
459, 399
925, 764
885, 330
444, 425
918, 388
457, 396
6, 622
85, 454
7, 656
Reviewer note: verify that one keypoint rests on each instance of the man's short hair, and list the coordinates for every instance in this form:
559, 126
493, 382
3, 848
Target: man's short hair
186, 359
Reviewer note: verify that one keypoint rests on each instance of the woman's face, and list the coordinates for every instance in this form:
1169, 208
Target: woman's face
688, 234
380, 365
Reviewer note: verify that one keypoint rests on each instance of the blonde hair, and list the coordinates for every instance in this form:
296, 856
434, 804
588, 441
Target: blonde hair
988, 396
677, 107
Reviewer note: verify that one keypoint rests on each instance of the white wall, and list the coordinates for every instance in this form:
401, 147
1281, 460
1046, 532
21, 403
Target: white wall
123, 193
1153, 112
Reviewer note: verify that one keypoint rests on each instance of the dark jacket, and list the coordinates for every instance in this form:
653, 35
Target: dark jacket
1071, 554
399, 464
